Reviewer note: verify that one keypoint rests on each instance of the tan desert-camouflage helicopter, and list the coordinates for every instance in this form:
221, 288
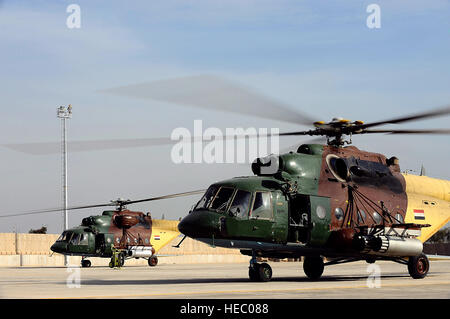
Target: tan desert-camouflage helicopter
323, 201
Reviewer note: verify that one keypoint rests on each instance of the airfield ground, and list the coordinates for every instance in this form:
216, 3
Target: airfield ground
222, 281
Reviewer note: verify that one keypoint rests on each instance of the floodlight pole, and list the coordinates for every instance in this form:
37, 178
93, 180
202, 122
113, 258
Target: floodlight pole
64, 114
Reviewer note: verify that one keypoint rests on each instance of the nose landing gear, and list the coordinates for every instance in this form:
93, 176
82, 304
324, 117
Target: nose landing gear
85, 263
259, 272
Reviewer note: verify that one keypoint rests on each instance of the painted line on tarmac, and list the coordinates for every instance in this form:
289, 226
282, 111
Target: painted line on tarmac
256, 290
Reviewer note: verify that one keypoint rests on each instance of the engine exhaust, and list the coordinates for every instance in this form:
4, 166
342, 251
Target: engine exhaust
140, 251
393, 246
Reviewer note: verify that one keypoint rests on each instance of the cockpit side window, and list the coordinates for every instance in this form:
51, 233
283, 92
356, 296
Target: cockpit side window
84, 239
241, 202
205, 201
61, 237
75, 239
262, 206
222, 199
65, 236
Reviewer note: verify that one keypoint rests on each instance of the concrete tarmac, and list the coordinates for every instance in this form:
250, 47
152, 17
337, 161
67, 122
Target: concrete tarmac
229, 281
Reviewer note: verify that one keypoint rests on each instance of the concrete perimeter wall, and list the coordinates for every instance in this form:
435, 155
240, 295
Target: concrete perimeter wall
17, 250
442, 249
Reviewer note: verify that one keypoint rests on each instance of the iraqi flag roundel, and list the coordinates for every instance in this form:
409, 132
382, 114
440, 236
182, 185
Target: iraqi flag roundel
419, 214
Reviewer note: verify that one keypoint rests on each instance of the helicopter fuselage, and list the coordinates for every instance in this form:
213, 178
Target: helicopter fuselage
97, 235
323, 200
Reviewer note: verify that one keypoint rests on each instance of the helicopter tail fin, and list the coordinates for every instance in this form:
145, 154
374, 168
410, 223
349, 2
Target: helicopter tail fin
163, 232
428, 203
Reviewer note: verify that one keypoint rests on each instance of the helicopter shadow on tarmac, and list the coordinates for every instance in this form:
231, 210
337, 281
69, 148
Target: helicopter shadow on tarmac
181, 281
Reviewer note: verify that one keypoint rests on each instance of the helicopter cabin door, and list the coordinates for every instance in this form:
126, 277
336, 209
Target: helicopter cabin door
103, 244
299, 219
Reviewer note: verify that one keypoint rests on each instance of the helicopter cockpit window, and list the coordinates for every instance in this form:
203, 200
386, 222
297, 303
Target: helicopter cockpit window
65, 236
84, 239
262, 206
222, 199
207, 198
75, 239
61, 237
241, 202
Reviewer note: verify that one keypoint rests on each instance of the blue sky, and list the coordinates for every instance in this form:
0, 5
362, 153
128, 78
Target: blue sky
318, 56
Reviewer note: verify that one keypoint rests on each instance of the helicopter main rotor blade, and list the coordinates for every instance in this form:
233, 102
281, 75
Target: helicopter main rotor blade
440, 131
414, 117
214, 93
201, 191
311, 132
111, 204
46, 148
34, 212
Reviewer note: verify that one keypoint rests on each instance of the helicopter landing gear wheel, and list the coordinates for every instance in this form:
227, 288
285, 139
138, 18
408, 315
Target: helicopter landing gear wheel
313, 267
153, 261
418, 266
85, 263
265, 272
260, 272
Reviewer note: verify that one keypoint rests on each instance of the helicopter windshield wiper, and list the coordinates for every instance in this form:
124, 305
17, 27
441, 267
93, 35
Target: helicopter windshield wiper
224, 205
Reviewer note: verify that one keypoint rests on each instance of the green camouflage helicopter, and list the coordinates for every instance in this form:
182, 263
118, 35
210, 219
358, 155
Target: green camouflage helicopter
322, 201
118, 234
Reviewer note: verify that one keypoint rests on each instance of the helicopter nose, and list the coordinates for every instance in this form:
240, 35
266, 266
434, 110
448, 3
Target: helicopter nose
58, 247
198, 224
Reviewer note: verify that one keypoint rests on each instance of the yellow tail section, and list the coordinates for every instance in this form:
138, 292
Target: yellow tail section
428, 203
163, 232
